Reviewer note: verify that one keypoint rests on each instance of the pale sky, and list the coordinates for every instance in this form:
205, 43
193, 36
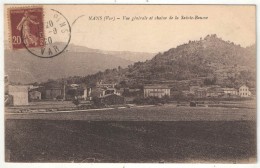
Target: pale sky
235, 23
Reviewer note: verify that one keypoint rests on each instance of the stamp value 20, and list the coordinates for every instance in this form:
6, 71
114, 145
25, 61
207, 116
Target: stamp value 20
27, 28
44, 33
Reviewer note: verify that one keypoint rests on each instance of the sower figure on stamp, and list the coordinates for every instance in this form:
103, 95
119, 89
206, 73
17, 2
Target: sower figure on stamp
24, 24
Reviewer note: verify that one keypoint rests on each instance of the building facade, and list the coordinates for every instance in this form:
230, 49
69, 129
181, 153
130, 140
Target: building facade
100, 84
156, 91
244, 91
215, 92
53, 93
193, 89
201, 93
35, 95
230, 91
6, 84
19, 95
87, 94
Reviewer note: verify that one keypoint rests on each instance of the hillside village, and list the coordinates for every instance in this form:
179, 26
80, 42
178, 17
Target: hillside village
208, 69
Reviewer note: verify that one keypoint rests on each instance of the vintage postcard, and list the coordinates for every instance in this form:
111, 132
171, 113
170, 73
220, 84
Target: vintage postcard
130, 83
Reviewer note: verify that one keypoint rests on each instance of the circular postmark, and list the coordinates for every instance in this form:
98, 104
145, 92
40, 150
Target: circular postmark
54, 36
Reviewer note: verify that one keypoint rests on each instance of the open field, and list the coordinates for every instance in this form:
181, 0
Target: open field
132, 141
42, 105
49, 106
146, 113
140, 134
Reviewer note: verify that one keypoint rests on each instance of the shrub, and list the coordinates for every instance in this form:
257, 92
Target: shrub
59, 97
76, 102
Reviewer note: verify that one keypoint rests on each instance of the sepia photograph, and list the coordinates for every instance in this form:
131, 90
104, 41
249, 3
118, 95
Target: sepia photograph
130, 83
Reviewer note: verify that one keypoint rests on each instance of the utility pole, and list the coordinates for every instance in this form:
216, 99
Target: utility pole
64, 89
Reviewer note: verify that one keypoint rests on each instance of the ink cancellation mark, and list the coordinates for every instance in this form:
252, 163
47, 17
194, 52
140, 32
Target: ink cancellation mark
57, 35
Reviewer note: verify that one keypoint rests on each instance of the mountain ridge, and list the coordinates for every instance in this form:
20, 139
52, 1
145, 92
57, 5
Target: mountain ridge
128, 55
211, 57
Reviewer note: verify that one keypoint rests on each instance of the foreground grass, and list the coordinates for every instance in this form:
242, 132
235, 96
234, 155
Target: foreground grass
130, 141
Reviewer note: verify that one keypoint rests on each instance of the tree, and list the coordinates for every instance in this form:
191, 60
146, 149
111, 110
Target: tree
72, 92
209, 81
97, 102
119, 68
76, 101
123, 84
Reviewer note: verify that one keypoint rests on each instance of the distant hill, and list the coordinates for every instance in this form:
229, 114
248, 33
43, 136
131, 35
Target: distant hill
131, 56
127, 55
207, 59
198, 59
23, 67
